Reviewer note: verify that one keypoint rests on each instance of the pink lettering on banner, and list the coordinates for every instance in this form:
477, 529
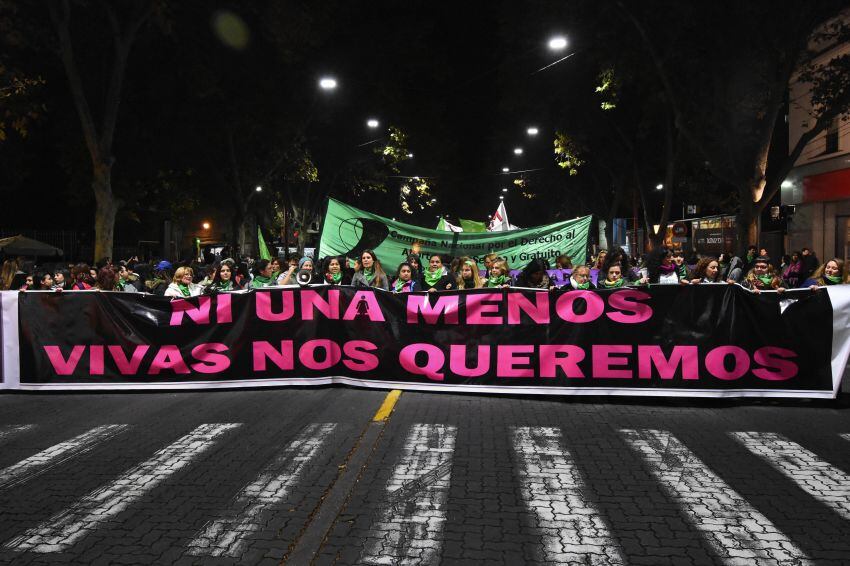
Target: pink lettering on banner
777, 366
198, 314
563, 356
537, 310
565, 306
263, 352
629, 311
96, 359
446, 306
128, 366
361, 358
483, 308
332, 354
364, 304
604, 357
223, 309
715, 362
263, 301
312, 301
168, 358
652, 355
210, 358
60, 365
458, 357
509, 357
435, 360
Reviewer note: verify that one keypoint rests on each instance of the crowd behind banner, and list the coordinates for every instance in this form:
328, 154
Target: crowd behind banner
607, 270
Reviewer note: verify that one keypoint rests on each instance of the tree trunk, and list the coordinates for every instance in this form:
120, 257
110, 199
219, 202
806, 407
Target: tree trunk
746, 222
105, 211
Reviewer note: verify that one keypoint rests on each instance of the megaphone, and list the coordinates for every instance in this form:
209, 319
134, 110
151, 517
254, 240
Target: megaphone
304, 277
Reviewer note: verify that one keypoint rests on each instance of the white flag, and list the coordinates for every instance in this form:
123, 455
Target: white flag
499, 222
446, 226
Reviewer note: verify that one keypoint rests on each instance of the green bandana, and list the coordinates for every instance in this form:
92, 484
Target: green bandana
431, 278
184, 289
224, 285
833, 279
585, 285
682, 271
260, 281
336, 277
369, 274
766, 279
496, 281
613, 284
121, 284
399, 285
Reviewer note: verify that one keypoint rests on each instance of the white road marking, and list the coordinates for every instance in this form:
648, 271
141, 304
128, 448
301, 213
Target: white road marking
408, 528
553, 490
65, 528
818, 478
57, 454
736, 531
8, 431
225, 535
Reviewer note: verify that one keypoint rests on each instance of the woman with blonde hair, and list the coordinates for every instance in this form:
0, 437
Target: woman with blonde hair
468, 276
830, 273
181, 284
500, 274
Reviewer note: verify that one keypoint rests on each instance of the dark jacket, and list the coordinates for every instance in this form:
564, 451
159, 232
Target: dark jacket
443, 284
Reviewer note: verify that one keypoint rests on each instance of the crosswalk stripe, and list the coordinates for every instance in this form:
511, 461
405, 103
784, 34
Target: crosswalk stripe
408, 528
57, 454
818, 478
65, 528
226, 535
8, 431
735, 530
553, 490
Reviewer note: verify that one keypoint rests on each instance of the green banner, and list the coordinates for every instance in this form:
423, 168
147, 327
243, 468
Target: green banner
473, 226
347, 231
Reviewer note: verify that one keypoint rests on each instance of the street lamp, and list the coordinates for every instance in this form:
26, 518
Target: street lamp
557, 43
517, 151
501, 197
410, 156
532, 131
659, 186
505, 169
504, 190
206, 225
372, 123
327, 83
259, 189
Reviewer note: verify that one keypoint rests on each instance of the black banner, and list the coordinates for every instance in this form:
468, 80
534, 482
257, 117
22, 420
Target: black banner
676, 339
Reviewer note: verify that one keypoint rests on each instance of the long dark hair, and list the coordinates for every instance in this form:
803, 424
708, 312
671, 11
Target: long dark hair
653, 263
700, 272
619, 257
217, 276
260, 266
376, 264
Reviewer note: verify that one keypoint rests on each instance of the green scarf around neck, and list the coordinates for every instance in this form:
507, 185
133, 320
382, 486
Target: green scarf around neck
261, 281
399, 285
431, 278
224, 285
585, 285
613, 284
833, 279
682, 271
336, 277
766, 279
184, 289
496, 281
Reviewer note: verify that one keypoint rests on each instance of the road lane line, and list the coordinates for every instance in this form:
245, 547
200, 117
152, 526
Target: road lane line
818, 478
65, 528
387, 406
408, 528
8, 431
57, 454
225, 536
553, 490
736, 531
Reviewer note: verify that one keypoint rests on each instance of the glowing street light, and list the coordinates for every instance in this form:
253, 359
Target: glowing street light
532, 131
259, 189
659, 186
558, 43
501, 197
505, 169
327, 83
372, 123
206, 225
517, 151
410, 156
504, 190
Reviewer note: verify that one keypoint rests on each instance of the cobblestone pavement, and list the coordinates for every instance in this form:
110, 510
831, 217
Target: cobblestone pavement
259, 477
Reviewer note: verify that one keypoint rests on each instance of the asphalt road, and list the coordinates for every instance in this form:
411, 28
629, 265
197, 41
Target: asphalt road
301, 475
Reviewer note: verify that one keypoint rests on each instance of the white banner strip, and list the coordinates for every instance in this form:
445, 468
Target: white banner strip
408, 527
65, 528
10, 368
823, 481
736, 531
839, 296
553, 489
225, 536
57, 454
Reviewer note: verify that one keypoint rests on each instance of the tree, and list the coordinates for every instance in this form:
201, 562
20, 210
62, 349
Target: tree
728, 104
99, 135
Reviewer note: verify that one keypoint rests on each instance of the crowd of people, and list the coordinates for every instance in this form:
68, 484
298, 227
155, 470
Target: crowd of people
613, 269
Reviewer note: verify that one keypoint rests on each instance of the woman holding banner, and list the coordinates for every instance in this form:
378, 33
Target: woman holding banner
435, 277
830, 273
707, 271
499, 274
334, 275
223, 279
369, 272
762, 277
580, 278
181, 285
404, 282
262, 275
468, 276
534, 276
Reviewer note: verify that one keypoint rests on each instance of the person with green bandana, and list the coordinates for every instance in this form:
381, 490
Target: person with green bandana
580, 278
223, 280
182, 286
612, 277
499, 274
262, 275
369, 272
435, 278
830, 273
762, 277
334, 274
404, 282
